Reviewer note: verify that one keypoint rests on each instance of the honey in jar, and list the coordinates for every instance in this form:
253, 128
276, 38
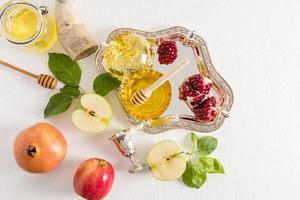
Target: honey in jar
127, 53
28, 26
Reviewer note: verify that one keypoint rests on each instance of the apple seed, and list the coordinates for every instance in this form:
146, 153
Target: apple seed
93, 113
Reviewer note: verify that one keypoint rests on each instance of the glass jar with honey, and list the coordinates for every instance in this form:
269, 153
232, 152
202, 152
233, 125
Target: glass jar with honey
26, 25
127, 53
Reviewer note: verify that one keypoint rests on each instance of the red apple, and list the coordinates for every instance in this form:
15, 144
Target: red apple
93, 179
40, 148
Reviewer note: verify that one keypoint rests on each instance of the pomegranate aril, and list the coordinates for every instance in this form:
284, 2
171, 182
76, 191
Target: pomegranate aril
195, 92
206, 110
195, 85
167, 52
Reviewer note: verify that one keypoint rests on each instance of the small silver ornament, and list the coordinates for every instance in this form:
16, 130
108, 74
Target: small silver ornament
123, 141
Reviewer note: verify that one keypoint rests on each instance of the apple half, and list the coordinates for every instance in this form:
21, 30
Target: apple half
165, 161
94, 115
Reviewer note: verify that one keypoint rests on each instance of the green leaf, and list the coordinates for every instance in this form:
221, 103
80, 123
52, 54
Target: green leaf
71, 91
211, 165
64, 68
192, 176
206, 145
104, 83
58, 103
194, 140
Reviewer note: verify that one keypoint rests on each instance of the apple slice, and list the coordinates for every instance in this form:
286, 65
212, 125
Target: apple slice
95, 114
164, 161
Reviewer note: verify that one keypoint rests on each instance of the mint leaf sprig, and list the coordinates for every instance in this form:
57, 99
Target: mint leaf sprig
199, 164
68, 71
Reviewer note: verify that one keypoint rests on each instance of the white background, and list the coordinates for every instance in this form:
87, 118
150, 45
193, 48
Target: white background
253, 44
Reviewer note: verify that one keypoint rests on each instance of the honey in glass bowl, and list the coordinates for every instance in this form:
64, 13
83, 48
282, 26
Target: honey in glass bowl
156, 105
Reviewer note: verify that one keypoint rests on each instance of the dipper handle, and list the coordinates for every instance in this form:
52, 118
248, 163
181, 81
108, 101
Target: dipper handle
44, 80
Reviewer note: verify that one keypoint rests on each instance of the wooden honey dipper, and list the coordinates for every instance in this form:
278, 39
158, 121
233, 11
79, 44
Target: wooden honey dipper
44, 80
141, 96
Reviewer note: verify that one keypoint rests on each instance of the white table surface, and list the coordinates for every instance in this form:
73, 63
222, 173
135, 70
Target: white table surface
253, 44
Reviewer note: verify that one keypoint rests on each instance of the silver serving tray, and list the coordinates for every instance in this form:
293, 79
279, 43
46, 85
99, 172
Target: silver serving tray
189, 45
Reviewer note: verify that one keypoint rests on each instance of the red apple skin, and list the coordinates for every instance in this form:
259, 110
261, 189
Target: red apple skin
48, 146
94, 179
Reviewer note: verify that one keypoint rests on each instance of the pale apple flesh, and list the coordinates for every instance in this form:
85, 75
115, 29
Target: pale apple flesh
87, 122
165, 161
95, 114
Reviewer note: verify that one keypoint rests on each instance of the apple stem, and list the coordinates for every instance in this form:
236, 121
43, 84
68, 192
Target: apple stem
182, 152
31, 151
102, 163
173, 156
194, 154
82, 90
